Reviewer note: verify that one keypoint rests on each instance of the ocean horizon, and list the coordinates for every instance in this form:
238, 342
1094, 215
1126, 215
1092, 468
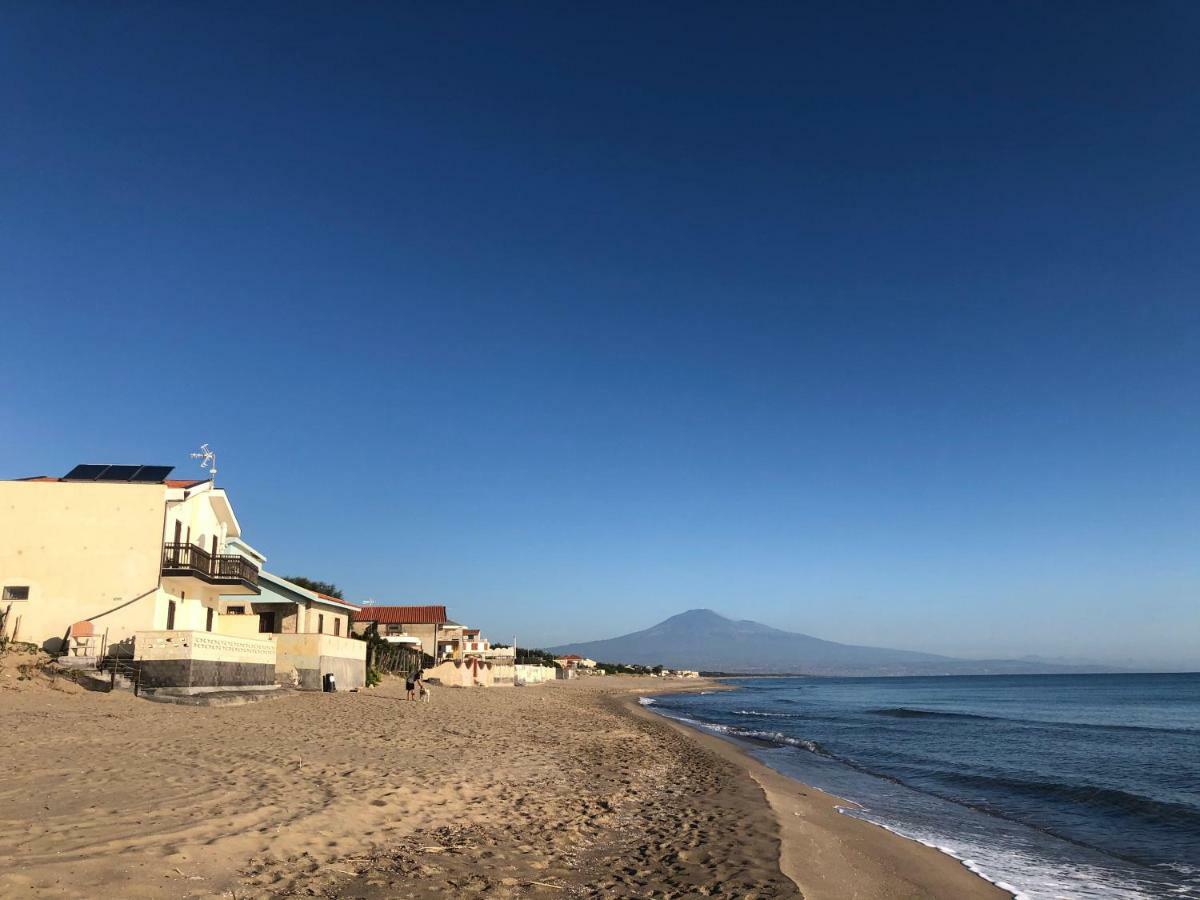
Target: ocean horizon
1054, 787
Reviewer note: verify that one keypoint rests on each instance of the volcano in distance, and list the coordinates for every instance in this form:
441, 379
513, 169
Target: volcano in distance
703, 640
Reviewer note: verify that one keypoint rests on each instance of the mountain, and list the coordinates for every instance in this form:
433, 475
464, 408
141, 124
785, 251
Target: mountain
702, 639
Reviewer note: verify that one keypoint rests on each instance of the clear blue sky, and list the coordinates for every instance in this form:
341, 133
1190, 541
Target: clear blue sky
880, 322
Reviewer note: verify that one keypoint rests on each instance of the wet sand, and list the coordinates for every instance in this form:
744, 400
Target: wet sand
558, 790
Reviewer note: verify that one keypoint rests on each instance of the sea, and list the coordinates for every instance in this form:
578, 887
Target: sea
1051, 786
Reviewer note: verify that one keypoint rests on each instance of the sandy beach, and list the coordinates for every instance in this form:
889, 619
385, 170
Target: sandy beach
560, 790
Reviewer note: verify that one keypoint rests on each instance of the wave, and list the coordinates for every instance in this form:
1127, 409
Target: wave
777, 738
1108, 800
646, 701
773, 714
908, 712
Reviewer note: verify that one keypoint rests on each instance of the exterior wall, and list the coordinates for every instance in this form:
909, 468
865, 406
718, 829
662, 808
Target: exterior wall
312, 656
245, 625
453, 673
533, 674
197, 661
83, 549
311, 618
197, 517
503, 673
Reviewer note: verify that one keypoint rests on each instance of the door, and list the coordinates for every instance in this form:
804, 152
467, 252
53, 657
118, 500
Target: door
266, 623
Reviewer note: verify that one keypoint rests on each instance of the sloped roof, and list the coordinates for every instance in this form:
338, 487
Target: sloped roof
402, 615
271, 578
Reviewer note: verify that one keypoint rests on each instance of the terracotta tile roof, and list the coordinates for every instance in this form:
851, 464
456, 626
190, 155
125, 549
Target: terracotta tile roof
183, 482
403, 615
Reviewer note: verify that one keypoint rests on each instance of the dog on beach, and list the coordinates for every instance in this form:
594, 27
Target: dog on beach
424, 693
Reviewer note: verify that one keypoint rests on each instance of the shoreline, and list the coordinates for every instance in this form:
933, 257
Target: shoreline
829, 855
567, 789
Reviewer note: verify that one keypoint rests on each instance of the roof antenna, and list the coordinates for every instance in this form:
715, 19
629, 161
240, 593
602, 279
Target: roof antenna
208, 460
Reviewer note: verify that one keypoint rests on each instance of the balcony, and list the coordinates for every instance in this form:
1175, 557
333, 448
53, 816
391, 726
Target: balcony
181, 560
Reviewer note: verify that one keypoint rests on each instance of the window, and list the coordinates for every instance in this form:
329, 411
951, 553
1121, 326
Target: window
395, 629
170, 615
208, 620
14, 592
320, 624
337, 627
235, 610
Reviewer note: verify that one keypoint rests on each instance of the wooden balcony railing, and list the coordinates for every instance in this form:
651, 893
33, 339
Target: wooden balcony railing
232, 567
224, 568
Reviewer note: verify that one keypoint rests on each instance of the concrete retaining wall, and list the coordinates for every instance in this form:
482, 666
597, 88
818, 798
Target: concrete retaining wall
198, 661
312, 656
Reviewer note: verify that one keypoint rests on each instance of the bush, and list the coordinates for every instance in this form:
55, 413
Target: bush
373, 677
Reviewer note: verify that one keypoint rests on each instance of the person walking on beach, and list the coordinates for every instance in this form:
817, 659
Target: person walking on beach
412, 683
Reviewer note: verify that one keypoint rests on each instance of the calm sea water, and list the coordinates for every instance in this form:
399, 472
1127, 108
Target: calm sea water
1065, 786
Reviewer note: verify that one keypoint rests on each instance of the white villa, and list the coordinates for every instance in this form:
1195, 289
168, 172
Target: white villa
116, 560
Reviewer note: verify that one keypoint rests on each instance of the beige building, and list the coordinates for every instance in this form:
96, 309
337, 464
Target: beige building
121, 561
124, 555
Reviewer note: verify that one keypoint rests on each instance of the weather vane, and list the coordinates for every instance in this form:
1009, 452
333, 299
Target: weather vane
208, 460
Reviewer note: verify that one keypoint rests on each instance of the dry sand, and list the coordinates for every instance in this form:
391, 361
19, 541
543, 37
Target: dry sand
558, 790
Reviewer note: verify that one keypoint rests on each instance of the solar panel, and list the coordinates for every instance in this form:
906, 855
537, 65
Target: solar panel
117, 473
152, 474
84, 473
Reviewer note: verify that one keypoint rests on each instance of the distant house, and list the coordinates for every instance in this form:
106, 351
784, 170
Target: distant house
424, 626
571, 661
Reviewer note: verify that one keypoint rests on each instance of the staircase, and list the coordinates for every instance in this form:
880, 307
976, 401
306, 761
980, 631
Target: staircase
102, 674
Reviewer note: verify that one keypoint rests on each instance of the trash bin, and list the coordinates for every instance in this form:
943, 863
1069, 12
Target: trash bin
329, 685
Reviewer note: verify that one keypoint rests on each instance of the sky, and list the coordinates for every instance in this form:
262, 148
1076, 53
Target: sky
875, 321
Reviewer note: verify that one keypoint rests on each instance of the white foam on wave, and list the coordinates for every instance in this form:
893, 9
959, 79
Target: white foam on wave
1040, 882
646, 701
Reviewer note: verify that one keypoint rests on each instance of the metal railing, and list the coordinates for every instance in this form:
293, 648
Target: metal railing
224, 567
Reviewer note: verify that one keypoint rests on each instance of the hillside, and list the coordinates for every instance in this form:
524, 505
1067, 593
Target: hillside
702, 639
